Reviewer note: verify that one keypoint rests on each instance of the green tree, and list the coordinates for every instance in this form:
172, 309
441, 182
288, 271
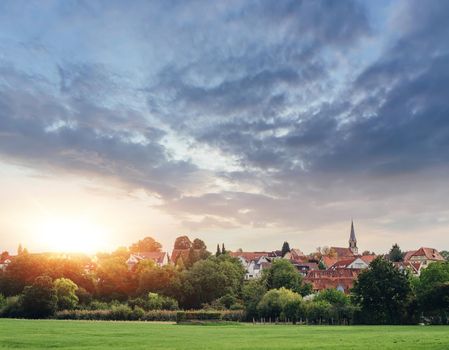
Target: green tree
223, 250
285, 248
39, 300
210, 279
395, 253
148, 244
66, 293
252, 293
218, 251
282, 273
280, 304
333, 296
383, 293
445, 254
432, 289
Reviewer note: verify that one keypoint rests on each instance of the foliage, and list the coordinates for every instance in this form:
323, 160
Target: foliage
395, 253
445, 254
199, 284
66, 293
252, 293
432, 289
12, 308
148, 244
39, 300
283, 274
383, 293
182, 242
280, 304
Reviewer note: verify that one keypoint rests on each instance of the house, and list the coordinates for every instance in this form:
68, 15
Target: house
5, 260
159, 258
295, 255
254, 262
425, 256
340, 279
305, 267
352, 263
414, 268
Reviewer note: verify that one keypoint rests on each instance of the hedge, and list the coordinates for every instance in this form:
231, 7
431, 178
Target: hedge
119, 313
214, 316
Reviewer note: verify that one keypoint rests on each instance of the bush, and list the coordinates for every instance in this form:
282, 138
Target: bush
211, 316
117, 314
12, 308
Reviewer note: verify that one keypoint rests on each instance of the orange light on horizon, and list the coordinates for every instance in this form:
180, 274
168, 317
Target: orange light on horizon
63, 234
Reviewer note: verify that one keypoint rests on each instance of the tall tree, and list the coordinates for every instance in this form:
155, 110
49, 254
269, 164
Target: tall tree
283, 274
395, 254
39, 300
148, 244
183, 242
218, 250
223, 250
285, 248
66, 293
383, 293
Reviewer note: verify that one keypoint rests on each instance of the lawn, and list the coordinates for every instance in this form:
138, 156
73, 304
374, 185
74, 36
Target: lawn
46, 334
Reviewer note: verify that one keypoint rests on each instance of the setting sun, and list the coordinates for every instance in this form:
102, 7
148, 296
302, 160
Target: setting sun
71, 235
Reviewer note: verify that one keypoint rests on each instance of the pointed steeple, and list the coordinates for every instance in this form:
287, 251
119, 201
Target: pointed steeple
352, 236
353, 240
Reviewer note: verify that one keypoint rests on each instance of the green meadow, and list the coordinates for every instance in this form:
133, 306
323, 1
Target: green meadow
52, 334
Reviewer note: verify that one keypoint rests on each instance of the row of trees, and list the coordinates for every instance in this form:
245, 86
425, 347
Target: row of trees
38, 285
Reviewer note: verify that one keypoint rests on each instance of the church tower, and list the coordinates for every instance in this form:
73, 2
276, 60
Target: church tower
353, 240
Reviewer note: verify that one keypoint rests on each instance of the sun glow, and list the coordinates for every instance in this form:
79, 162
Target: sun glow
71, 235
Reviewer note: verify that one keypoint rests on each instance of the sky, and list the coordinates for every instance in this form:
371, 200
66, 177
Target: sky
244, 122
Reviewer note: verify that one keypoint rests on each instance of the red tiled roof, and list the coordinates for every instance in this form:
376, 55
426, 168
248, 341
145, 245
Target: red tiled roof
409, 254
368, 258
325, 279
343, 252
329, 261
341, 264
249, 256
429, 253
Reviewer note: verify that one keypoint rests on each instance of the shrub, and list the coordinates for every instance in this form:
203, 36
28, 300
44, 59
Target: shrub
212, 316
118, 314
12, 308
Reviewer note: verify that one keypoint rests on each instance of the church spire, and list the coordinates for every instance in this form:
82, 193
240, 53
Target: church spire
353, 240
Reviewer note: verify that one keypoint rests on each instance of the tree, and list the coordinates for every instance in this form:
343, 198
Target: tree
445, 254
395, 254
283, 274
183, 242
66, 293
285, 249
198, 244
20, 249
383, 293
252, 293
218, 251
39, 300
223, 250
280, 303
210, 279
148, 244
432, 289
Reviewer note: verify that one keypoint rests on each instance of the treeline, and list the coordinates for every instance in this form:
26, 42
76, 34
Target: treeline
39, 286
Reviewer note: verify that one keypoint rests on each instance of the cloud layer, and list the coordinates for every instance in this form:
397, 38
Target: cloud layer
293, 114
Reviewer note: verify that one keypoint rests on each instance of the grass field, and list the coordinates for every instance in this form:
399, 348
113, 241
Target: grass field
50, 334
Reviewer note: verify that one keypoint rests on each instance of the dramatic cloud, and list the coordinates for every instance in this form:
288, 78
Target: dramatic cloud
284, 115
